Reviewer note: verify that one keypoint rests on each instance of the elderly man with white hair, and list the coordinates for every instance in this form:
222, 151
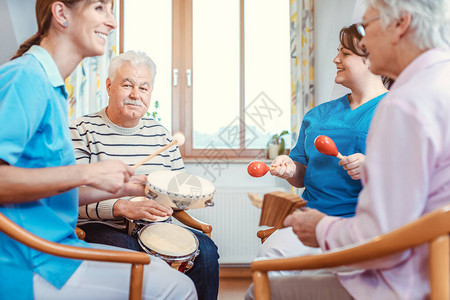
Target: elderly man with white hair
123, 131
407, 169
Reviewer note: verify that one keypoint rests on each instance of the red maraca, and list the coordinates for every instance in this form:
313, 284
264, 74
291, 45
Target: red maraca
325, 145
258, 169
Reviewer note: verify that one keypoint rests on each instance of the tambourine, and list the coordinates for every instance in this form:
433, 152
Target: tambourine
174, 244
179, 190
134, 226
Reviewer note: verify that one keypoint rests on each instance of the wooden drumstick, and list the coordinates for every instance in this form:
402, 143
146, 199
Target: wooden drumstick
178, 139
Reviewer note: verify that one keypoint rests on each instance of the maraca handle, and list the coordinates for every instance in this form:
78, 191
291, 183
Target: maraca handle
339, 155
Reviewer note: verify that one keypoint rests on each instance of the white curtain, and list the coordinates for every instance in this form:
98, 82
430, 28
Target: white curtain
302, 63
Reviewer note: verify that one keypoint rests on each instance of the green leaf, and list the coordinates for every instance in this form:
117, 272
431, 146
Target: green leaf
282, 147
277, 138
284, 132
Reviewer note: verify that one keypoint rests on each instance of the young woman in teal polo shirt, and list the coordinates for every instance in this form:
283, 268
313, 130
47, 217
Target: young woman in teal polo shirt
38, 174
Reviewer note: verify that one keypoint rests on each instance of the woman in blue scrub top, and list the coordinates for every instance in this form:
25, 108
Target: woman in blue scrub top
331, 186
39, 179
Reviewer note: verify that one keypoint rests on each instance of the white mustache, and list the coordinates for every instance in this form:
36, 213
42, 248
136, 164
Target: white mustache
133, 102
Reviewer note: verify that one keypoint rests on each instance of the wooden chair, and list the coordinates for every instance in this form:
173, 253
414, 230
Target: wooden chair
433, 229
136, 259
80, 233
275, 207
263, 234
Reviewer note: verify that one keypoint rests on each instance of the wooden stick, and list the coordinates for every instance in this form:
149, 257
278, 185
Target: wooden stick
174, 142
339, 155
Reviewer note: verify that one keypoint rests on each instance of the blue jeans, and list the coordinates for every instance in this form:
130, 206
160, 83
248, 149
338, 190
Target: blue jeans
204, 273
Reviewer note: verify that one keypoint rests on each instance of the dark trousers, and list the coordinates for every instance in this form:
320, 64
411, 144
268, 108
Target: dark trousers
204, 273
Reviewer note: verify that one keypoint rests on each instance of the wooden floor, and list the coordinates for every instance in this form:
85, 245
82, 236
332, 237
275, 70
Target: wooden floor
234, 282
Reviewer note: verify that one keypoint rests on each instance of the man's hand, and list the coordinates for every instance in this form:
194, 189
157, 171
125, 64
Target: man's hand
304, 224
136, 210
284, 167
352, 164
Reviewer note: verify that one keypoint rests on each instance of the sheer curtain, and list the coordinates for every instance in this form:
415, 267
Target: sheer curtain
86, 86
302, 64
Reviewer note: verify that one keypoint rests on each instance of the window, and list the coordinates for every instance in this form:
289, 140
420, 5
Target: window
223, 70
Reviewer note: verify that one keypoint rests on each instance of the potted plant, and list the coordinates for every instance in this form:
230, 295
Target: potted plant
154, 114
276, 145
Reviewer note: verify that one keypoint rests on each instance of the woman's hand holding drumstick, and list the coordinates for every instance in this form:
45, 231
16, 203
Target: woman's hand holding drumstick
178, 139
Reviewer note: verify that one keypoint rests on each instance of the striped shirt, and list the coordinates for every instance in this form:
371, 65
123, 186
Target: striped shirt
95, 138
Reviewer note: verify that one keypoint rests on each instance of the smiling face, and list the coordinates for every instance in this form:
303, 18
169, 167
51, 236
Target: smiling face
350, 67
129, 94
89, 26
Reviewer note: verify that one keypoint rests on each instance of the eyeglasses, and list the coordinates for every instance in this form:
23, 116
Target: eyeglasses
361, 27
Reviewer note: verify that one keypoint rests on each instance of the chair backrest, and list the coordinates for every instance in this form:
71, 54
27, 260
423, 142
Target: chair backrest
275, 207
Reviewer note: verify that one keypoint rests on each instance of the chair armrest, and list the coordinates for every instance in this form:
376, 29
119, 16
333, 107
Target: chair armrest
432, 228
423, 230
136, 259
263, 234
190, 221
23, 236
80, 233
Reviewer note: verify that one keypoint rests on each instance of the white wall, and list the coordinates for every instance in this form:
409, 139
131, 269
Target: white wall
17, 23
232, 174
23, 18
7, 35
329, 18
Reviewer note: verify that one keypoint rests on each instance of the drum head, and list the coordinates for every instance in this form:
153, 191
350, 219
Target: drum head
168, 239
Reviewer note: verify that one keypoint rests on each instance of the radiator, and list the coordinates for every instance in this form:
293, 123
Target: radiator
235, 223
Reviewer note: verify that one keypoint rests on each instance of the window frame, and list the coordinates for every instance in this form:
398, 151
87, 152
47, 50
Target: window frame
182, 95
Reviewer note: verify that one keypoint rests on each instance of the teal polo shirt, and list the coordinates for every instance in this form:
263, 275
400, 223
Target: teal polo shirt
35, 134
328, 187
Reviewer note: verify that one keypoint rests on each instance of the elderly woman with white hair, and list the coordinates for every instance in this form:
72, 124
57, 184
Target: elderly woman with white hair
406, 171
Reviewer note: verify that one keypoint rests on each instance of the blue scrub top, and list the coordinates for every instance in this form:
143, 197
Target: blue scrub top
328, 187
35, 134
